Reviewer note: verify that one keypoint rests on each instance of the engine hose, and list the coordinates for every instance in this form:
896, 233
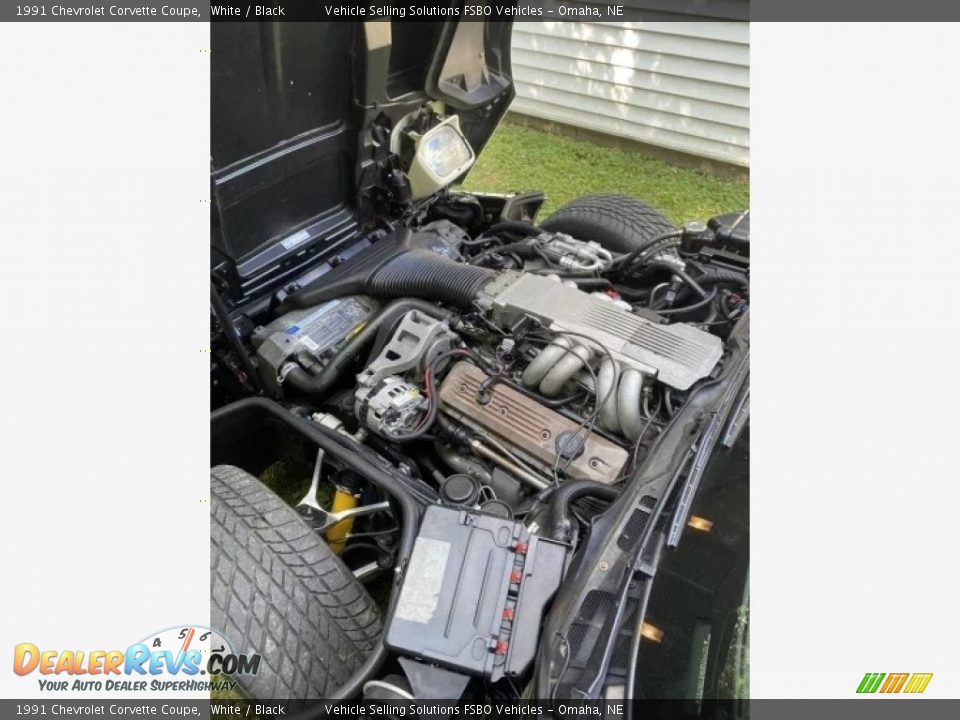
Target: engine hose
513, 226
391, 268
720, 276
424, 274
486, 388
560, 523
318, 385
688, 308
523, 250
693, 284
657, 244
713, 276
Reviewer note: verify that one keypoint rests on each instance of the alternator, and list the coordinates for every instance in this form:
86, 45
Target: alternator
387, 400
393, 407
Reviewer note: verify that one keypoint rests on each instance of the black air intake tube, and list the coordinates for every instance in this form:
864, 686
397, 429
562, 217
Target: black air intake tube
424, 274
398, 266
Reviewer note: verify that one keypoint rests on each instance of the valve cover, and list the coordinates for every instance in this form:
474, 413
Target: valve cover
536, 433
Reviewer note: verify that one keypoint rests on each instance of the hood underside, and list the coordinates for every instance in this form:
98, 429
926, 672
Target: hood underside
292, 107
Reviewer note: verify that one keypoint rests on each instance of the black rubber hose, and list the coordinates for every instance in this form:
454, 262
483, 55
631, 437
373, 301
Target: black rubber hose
391, 269
513, 226
715, 276
630, 257
410, 522
318, 385
525, 250
560, 524
485, 391
424, 274
233, 339
680, 274
718, 276
689, 308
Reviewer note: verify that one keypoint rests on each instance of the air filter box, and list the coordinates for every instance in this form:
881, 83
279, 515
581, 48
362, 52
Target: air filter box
474, 593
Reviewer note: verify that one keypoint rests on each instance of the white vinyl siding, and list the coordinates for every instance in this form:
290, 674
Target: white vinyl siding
679, 85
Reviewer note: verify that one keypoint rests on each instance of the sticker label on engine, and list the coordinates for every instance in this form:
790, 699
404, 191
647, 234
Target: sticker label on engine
329, 324
421, 588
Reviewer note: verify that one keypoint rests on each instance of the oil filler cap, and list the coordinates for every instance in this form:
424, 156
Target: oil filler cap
569, 444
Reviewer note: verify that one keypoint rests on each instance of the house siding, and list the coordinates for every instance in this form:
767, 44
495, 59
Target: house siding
684, 86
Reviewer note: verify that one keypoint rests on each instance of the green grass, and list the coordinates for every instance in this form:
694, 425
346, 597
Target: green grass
521, 158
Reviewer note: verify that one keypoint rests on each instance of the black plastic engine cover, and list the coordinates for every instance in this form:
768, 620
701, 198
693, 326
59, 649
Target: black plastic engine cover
474, 593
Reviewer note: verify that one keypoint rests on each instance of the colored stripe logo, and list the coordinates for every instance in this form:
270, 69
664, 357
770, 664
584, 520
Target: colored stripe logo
887, 683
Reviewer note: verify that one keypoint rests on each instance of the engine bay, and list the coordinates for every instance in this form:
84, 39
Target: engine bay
478, 426
513, 380
487, 389
520, 359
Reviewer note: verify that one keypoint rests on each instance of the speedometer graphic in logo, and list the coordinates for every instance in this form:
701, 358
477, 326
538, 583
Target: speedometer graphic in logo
206, 648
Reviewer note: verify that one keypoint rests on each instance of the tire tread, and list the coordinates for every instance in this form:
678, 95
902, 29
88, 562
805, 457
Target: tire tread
277, 589
618, 222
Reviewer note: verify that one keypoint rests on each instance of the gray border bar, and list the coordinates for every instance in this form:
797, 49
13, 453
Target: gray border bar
529, 10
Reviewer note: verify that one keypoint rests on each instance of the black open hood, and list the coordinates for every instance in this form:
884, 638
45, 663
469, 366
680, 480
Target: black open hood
294, 160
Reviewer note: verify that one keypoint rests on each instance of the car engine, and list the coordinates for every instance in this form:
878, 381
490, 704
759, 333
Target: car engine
514, 380
512, 362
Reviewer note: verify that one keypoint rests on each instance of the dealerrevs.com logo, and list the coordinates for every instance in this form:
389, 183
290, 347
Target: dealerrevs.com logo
181, 659
893, 683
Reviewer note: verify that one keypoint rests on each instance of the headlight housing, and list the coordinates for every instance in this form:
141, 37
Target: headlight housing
442, 155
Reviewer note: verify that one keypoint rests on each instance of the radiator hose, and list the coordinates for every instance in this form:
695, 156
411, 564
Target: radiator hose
561, 526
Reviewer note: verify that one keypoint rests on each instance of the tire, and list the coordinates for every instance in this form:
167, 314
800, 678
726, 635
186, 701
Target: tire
277, 589
619, 223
